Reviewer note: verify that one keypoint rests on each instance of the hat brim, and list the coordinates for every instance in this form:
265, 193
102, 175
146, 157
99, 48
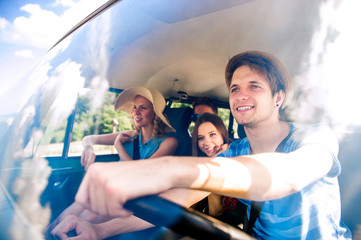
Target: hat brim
125, 101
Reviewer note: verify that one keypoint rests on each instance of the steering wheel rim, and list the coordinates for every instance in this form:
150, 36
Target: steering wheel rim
161, 212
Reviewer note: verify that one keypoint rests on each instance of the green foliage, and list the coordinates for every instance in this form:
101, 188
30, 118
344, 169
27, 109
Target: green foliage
223, 113
94, 122
101, 121
59, 134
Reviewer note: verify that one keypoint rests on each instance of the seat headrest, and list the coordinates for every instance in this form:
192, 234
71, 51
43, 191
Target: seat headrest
179, 118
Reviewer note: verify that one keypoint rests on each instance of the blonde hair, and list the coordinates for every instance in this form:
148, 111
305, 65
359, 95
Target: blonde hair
159, 128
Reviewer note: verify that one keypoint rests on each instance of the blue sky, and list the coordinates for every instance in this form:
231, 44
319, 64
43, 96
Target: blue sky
28, 28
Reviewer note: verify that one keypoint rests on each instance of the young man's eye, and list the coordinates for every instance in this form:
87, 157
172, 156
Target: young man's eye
233, 90
254, 86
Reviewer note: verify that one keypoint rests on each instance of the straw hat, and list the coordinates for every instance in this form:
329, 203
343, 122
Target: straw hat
125, 101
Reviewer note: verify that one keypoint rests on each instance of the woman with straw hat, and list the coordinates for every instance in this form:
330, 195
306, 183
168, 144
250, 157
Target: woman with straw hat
145, 105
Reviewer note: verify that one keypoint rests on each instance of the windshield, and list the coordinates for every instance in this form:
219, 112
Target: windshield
176, 46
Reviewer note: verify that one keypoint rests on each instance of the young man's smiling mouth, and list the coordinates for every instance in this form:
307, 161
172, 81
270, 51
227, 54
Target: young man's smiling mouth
244, 108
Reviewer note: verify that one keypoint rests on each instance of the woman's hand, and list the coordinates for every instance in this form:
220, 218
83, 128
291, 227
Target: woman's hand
125, 136
87, 157
222, 148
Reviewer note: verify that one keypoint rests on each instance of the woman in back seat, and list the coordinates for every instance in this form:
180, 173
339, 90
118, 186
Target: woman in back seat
209, 139
145, 105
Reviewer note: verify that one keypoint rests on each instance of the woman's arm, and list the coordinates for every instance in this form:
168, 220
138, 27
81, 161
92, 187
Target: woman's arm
124, 136
88, 155
166, 148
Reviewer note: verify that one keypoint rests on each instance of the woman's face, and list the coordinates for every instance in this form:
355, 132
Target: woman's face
209, 139
143, 113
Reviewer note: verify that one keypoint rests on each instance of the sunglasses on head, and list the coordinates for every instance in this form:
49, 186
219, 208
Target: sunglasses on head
195, 117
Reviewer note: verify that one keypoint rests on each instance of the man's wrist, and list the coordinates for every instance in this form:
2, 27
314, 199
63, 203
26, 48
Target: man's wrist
183, 172
100, 231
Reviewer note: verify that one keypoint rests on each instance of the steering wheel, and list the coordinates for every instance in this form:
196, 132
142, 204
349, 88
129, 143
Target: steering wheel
162, 212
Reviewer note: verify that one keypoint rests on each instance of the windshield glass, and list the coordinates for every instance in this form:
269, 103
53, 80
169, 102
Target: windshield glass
173, 46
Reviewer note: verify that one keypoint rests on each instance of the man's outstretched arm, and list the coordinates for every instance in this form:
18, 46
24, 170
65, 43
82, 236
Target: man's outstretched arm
107, 186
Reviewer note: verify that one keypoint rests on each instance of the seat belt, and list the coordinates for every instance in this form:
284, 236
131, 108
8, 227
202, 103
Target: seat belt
256, 206
136, 155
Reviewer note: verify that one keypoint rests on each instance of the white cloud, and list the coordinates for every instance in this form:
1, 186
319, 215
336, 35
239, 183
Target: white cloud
64, 3
39, 30
31, 8
24, 53
3, 23
42, 28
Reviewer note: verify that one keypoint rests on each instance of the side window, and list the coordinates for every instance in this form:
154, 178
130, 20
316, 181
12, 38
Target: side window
89, 119
101, 120
224, 114
48, 143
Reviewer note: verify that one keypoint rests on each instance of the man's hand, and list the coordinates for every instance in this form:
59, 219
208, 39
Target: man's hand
107, 186
83, 229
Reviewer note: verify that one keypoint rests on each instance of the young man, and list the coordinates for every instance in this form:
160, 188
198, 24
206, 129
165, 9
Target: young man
203, 105
299, 186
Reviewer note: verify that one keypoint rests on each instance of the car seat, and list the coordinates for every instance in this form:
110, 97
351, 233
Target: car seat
241, 132
180, 119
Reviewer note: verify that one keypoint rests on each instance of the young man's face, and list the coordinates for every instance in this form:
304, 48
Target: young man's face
251, 99
201, 109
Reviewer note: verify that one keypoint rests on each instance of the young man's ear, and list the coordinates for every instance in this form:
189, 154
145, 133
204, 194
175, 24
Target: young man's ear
280, 97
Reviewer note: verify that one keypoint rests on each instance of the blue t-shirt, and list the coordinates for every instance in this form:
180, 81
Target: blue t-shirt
312, 213
145, 150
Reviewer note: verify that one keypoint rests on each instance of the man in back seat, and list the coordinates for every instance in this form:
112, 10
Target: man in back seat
203, 105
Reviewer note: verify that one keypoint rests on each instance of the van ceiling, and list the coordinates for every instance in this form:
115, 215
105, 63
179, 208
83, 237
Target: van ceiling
185, 44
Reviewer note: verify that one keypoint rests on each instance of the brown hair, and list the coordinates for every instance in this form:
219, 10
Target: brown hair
265, 64
205, 101
217, 122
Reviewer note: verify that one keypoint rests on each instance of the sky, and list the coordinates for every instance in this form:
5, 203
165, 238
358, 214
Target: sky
28, 28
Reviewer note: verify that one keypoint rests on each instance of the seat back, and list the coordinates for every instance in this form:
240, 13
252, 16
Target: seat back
241, 132
180, 119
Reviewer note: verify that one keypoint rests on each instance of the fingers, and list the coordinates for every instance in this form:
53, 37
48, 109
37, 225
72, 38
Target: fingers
61, 230
83, 229
125, 136
99, 193
107, 186
87, 158
90, 160
222, 148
